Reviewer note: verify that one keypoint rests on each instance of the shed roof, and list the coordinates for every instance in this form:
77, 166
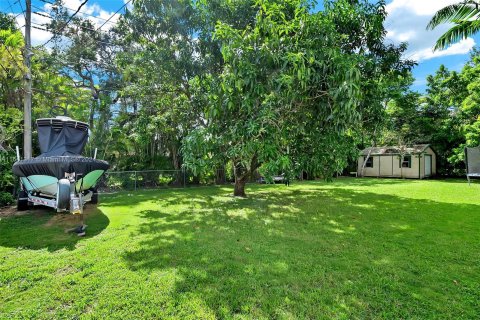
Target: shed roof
414, 149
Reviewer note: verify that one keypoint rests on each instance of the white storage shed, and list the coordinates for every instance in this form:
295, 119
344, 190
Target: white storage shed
419, 162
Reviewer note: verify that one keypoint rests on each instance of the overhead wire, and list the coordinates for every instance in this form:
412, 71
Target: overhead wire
124, 5
46, 15
10, 7
79, 26
23, 10
39, 27
68, 21
81, 12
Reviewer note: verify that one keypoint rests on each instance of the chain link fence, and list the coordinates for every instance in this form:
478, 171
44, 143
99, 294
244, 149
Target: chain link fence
113, 181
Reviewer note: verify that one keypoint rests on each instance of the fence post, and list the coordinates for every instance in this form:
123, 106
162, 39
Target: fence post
184, 181
135, 180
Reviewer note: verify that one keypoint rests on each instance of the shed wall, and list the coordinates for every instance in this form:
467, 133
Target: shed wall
389, 166
369, 172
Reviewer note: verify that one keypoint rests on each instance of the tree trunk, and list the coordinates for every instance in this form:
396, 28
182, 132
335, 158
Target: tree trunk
91, 116
177, 166
239, 189
362, 173
242, 174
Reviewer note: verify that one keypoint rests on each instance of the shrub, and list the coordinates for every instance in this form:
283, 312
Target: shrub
6, 199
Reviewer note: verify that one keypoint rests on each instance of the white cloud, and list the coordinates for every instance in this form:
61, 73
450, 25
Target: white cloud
407, 21
420, 8
38, 36
94, 12
420, 83
461, 47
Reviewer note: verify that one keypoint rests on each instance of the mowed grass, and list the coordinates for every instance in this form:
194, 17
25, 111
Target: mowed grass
354, 248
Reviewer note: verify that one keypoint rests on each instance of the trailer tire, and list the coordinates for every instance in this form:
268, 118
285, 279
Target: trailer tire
94, 198
63, 194
22, 201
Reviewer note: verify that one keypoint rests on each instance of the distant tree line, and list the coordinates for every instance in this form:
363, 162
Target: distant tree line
447, 116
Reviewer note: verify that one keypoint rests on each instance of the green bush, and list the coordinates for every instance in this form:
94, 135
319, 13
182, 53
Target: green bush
7, 179
165, 180
6, 199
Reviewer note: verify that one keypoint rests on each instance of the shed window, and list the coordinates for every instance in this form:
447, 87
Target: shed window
369, 163
407, 161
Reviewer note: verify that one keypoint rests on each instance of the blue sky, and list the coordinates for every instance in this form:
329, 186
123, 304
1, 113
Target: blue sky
406, 22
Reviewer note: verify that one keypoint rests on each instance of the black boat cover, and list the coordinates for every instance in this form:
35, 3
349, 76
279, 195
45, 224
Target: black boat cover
57, 166
62, 141
61, 137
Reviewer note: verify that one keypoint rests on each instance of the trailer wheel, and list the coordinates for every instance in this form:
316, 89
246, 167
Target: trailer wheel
94, 198
22, 201
63, 194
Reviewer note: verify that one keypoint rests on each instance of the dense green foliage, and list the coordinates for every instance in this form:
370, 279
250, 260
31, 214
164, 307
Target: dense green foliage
354, 248
51, 88
447, 116
297, 90
207, 85
221, 87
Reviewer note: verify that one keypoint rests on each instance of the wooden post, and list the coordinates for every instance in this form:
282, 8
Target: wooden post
27, 107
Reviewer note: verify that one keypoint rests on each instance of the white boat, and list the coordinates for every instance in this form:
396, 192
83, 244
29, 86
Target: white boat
60, 177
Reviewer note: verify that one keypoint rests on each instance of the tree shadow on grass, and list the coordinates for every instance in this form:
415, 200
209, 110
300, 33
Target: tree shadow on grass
43, 228
136, 197
310, 253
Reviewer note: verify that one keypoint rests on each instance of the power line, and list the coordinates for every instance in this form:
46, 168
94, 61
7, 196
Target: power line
10, 5
21, 7
66, 23
39, 28
79, 26
81, 12
124, 5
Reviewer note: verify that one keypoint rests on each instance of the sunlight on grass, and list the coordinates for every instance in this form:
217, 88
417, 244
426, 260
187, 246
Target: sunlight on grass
354, 248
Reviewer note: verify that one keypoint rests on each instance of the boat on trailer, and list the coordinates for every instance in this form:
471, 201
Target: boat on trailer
60, 177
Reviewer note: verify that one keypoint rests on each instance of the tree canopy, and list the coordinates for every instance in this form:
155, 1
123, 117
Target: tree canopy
240, 88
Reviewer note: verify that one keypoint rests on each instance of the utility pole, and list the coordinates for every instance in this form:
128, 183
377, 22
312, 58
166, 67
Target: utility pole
27, 107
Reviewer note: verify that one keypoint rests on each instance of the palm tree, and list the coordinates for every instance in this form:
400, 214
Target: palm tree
466, 17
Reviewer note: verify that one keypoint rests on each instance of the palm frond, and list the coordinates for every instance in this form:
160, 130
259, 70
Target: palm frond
461, 31
456, 12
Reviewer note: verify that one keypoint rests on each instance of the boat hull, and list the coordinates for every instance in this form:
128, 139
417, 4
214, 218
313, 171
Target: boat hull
47, 185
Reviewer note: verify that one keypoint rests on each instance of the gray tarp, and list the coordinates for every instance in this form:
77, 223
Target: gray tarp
61, 138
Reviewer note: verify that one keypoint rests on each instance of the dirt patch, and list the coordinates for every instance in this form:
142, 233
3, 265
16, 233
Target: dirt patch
62, 219
11, 211
65, 219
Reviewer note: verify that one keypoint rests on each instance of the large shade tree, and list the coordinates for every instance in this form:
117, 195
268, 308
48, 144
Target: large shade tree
285, 78
382, 72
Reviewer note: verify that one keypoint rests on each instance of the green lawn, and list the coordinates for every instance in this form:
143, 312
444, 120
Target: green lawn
354, 248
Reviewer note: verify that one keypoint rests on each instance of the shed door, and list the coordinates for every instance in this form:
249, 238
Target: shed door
428, 165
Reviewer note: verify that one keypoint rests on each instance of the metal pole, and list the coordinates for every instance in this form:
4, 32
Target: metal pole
27, 108
135, 180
